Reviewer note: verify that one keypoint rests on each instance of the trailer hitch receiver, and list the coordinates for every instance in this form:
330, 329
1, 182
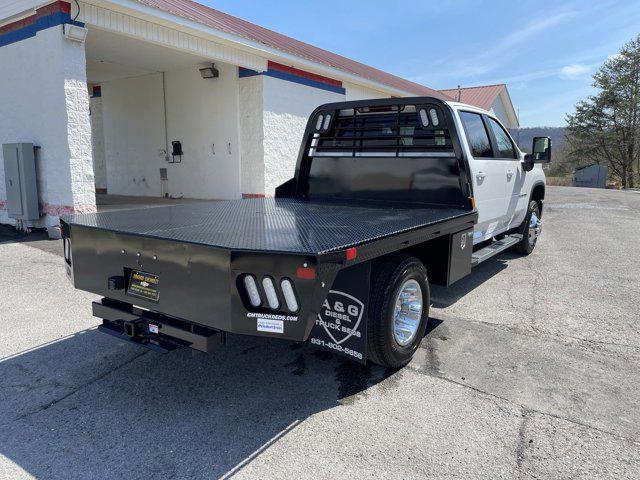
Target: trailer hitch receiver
132, 328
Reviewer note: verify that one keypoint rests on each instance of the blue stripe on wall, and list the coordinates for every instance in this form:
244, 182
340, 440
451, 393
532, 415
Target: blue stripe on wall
289, 77
42, 23
246, 72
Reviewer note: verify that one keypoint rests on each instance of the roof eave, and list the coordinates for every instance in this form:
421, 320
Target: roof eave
132, 7
511, 111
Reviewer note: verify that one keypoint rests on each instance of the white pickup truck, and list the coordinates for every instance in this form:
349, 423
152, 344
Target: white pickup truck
508, 185
389, 196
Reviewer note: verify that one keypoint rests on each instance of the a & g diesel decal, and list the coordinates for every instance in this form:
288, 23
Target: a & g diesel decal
341, 316
341, 323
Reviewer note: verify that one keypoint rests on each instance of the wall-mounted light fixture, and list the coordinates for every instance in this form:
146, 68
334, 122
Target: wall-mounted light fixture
75, 33
209, 72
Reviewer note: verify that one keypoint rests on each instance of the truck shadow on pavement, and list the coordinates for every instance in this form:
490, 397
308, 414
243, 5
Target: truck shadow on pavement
88, 406
442, 297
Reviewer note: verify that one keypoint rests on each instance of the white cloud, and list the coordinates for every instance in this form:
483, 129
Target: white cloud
491, 57
574, 71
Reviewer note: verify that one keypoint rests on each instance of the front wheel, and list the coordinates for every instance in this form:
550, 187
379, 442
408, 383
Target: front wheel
399, 312
530, 229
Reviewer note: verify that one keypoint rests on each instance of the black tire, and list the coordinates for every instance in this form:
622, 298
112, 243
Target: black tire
527, 244
387, 278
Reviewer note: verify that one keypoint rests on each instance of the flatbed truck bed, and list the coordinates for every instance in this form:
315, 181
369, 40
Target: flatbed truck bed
275, 225
380, 207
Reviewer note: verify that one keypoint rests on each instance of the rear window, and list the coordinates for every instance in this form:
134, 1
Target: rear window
476, 135
392, 133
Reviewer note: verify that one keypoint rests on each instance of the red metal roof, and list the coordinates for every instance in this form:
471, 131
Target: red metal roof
482, 96
236, 26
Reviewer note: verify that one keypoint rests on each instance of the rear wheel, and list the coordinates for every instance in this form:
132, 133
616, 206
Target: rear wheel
399, 311
530, 229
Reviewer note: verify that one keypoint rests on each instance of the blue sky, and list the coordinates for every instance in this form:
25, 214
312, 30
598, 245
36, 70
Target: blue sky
545, 51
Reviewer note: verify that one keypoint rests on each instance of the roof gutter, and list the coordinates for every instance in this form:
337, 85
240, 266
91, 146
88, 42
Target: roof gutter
134, 8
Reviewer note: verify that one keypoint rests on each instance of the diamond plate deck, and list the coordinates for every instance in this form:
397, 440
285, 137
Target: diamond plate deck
285, 225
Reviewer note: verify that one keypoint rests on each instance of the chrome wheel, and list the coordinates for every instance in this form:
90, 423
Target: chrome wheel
535, 227
407, 313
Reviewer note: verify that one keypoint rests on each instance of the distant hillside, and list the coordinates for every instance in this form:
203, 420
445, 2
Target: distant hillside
524, 136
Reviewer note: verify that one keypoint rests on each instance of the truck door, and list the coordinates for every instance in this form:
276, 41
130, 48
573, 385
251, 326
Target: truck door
515, 204
488, 177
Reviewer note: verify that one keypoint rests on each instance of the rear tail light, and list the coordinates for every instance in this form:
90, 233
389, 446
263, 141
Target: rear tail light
264, 293
306, 273
252, 290
289, 295
270, 292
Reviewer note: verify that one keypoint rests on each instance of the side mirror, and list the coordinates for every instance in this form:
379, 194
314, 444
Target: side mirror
540, 152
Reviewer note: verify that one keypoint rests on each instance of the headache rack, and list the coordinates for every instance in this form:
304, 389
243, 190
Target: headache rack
388, 131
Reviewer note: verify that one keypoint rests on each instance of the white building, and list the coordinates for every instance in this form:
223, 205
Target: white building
105, 111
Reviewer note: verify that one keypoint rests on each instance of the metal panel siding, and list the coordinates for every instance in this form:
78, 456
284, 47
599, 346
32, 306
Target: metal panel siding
9, 8
235, 26
132, 26
56, 13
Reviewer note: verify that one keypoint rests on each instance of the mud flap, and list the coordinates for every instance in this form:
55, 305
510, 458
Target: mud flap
341, 325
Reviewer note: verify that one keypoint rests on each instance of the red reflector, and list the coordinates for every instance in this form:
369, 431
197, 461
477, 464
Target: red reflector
351, 253
306, 273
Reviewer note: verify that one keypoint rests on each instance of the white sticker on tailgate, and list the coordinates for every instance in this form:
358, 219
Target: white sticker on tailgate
273, 326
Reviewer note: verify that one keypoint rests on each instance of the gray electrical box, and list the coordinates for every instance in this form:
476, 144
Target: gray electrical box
21, 181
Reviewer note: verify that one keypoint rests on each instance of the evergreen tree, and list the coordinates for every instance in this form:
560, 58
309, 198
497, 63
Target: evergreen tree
605, 128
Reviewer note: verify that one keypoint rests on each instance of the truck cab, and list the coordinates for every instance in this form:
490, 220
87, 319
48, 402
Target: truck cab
504, 181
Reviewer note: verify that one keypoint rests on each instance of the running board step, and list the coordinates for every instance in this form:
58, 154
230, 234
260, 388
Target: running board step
495, 248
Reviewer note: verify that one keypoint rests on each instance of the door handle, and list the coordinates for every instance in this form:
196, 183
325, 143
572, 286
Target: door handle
480, 175
509, 173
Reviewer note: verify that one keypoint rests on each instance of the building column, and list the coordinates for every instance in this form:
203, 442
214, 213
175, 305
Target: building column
44, 98
251, 137
274, 108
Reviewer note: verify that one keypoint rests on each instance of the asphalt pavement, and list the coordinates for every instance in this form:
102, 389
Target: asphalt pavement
530, 370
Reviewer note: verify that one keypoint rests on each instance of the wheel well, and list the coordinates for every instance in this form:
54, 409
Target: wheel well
434, 255
538, 195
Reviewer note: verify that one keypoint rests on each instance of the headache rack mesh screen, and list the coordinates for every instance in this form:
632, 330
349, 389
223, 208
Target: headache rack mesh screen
397, 133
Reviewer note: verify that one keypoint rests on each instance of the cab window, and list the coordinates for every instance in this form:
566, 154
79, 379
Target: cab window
503, 141
476, 135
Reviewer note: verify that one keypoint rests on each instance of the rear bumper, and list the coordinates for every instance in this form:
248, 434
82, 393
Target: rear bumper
152, 330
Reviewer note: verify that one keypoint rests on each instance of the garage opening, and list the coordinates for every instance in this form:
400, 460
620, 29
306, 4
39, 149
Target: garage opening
165, 123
